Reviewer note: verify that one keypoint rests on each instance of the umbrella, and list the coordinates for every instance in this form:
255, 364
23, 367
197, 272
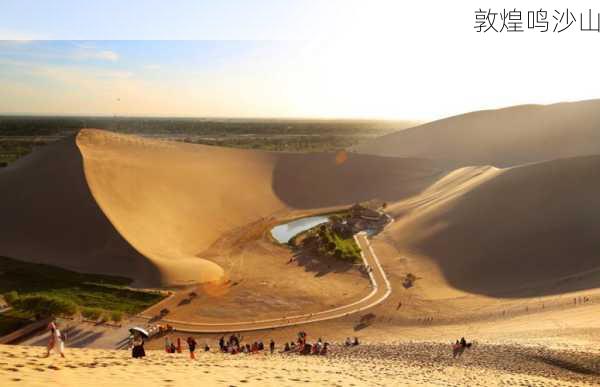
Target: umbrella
139, 330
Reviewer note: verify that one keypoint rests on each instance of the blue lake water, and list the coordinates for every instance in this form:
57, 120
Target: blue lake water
284, 232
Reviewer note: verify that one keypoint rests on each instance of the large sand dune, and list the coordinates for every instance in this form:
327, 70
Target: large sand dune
147, 209
507, 232
504, 137
48, 215
173, 213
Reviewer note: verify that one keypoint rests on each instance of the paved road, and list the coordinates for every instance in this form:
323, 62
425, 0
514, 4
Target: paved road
380, 290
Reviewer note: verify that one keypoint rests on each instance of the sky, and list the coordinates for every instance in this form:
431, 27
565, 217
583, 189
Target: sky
333, 59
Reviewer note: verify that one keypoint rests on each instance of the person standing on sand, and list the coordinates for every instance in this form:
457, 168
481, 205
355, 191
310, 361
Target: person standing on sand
56, 340
167, 344
137, 349
272, 346
192, 347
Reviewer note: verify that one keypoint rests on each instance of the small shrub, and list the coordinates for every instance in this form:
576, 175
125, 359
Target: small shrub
116, 316
45, 306
11, 297
91, 313
103, 317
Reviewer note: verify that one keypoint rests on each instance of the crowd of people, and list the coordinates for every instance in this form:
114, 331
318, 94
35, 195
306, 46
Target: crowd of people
232, 345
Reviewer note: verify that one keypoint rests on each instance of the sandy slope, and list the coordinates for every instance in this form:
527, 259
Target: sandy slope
393, 361
148, 209
506, 232
172, 213
503, 137
50, 216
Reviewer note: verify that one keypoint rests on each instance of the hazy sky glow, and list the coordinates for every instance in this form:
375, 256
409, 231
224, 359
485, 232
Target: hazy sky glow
331, 59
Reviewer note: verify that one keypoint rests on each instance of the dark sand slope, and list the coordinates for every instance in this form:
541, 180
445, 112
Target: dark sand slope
504, 137
318, 180
534, 226
49, 216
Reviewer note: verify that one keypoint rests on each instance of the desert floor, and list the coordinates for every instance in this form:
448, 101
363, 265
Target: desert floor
553, 348
407, 364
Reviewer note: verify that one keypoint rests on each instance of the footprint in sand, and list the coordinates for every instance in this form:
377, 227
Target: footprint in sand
51, 367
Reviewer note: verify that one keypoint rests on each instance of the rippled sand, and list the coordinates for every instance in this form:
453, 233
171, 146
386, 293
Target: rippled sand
407, 364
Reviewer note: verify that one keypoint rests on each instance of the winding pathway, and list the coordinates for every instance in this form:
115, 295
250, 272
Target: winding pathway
380, 290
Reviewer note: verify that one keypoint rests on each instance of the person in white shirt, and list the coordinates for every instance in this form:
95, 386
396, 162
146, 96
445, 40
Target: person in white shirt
55, 342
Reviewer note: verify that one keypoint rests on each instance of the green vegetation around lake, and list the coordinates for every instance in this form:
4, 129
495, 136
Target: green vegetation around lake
45, 290
340, 246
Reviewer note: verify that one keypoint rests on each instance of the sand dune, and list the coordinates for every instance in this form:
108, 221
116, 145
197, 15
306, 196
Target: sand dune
502, 138
506, 232
173, 213
169, 202
49, 216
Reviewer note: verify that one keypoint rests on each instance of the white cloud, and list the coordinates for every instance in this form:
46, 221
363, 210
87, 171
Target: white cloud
93, 54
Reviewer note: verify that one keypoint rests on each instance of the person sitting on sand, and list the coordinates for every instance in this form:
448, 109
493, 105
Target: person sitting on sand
324, 349
457, 349
306, 350
316, 349
318, 346
348, 342
206, 347
287, 347
173, 348
137, 349
56, 340
192, 346
355, 343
